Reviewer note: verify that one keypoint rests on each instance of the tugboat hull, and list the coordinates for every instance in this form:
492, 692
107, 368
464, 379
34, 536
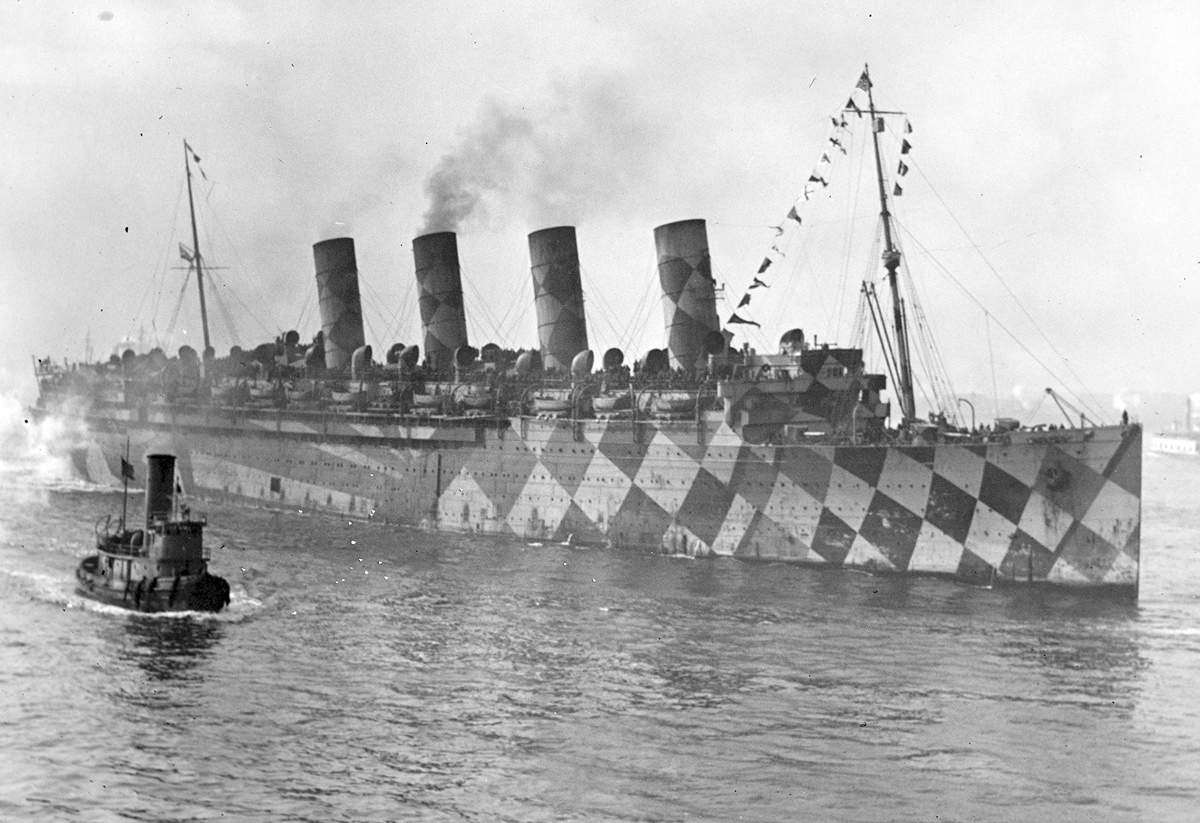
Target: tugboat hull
161, 566
197, 593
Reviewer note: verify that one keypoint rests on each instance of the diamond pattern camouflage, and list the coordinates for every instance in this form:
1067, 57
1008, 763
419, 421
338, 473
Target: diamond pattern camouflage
1060, 507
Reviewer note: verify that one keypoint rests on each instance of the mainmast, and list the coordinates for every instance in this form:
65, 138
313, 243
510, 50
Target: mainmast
891, 261
187, 150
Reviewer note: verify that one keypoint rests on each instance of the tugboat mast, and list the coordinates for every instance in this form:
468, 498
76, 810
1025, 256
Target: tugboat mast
125, 472
891, 261
187, 150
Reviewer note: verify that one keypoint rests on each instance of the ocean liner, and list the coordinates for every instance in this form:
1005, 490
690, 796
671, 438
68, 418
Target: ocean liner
700, 448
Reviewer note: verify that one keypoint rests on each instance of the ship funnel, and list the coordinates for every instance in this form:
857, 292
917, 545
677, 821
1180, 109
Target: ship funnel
439, 283
558, 296
689, 292
341, 307
160, 487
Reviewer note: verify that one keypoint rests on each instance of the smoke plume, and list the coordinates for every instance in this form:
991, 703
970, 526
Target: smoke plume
576, 154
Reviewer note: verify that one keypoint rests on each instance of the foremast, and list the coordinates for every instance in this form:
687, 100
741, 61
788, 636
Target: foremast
187, 155
891, 262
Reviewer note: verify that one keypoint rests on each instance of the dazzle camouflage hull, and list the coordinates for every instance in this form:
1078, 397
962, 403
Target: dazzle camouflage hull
701, 448
1058, 507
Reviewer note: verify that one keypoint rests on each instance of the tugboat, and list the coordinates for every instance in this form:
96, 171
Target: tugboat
162, 566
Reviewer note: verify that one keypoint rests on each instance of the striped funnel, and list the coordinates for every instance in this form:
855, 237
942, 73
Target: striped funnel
558, 296
341, 307
689, 292
441, 298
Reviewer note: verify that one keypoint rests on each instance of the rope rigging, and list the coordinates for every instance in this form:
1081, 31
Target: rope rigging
910, 326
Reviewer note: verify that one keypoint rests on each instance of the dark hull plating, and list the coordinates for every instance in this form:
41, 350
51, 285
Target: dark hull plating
193, 593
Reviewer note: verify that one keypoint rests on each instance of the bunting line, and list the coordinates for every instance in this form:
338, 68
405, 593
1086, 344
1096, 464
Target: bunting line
818, 180
733, 318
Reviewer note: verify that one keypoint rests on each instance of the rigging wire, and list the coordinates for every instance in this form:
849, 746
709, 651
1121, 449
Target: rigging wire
858, 330
521, 298
483, 311
405, 311
880, 324
1066, 363
225, 316
304, 307
377, 306
945, 272
178, 304
603, 310
937, 394
943, 397
1032, 415
928, 351
636, 328
392, 330
160, 268
211, 218
640, 317
852, 206
987, 321
784, 298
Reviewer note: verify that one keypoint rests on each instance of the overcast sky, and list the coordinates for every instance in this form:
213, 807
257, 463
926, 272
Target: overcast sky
1053, 160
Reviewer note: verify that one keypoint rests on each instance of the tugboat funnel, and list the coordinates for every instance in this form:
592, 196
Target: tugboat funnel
160, 487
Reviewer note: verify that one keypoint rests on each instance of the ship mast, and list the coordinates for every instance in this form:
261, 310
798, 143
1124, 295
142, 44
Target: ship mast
891, 261
196, 249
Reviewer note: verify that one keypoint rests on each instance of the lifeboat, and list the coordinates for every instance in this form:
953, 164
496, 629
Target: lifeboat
557, 403
612, 403
674, 402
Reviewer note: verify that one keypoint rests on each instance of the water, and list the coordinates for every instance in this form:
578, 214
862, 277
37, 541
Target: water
366, 673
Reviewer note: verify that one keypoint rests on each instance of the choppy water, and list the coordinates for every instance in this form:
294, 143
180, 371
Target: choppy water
372, 673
